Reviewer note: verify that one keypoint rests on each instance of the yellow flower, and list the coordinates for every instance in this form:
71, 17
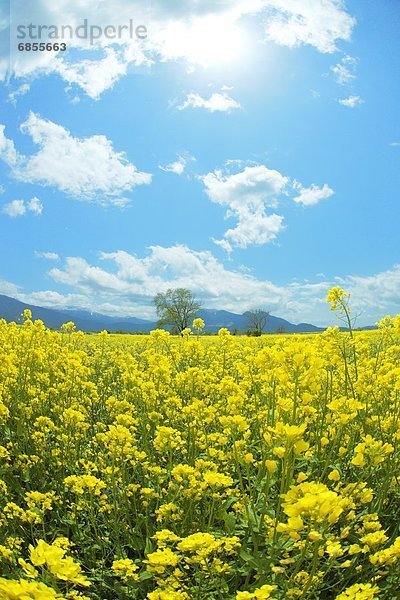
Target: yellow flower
314, 500
334, 548
373, 539
271, 465
301, 477
167, 594
29, 570
52, 557
83, 483
167, 439
334, 475
160, 560
164, 536
198, 541
126, 569
44, 553
11, 589
262, 593
224, 332
337, 297
359, 591
388, 556
371, 450
198, 323
215, 480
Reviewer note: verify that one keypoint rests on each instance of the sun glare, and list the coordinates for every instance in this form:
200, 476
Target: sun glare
214, 42
207, 41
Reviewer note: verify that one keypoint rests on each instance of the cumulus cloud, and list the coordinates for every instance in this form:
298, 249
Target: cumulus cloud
215, 103
351, 101
254, 227
246, 195
375, 294
94, 76
132, 282
178, 166
7, 149
124, 284
312, 195
86, 169
198, 33
35, 206
18, 208
15, 208
253, 185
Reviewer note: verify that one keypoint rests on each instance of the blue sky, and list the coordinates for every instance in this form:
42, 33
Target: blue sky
248, 151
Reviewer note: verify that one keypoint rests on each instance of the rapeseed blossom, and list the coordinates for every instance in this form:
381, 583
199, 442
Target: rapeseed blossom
167, 468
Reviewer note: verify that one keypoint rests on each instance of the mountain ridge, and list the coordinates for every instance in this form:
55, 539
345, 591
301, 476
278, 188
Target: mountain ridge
11, 309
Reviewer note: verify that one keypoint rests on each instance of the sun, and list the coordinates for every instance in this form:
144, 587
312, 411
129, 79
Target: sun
204, 41
214, 41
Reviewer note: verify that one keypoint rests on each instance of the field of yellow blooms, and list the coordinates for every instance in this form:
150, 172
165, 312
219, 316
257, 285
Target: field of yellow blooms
161, 468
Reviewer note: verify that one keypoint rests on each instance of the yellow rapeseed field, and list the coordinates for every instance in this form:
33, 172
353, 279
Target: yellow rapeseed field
226, 467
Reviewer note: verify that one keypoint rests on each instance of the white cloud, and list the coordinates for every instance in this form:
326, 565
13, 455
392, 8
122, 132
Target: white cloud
312, 195
134, 281
8, 289
94, 77
35, 206
342, 74
15, 208
18, 208
351, 101
87, 169
246, 195
20, 91
178, 167
344, 71
198, 33
253, 186
215, 103
124, 284
198, 40
47, 255
378, 293
52, 299
319, 23
7, 149
394, 144
254, 227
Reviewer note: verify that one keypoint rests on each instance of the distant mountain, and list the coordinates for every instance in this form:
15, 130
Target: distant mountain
215, 319
12, 309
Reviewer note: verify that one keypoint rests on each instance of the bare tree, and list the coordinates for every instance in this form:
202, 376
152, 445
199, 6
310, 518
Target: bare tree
257, 319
